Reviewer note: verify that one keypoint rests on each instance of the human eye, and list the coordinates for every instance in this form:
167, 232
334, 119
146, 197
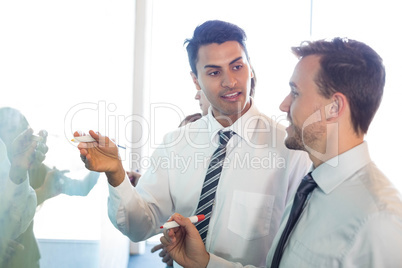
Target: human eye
238, 67
294, 92
213, 73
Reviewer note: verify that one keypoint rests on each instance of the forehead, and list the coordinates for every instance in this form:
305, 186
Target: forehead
220, 54
305, 72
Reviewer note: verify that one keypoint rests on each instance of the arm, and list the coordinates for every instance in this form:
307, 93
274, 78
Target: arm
23, 155
18, 201
136, 212
51, 187
8, 248
79, 187
19, 209
139, 211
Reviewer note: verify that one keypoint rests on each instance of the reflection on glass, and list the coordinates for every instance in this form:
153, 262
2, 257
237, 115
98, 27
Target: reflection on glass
27, 183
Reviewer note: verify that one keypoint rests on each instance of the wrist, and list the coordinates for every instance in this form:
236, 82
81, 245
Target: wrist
40, 195
18, 175
116, 177
207, 260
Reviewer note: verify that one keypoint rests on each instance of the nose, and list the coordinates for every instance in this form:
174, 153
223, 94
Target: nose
285, 105
197, 95
229, 80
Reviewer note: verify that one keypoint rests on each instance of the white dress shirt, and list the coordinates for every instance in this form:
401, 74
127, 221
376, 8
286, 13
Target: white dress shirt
17, 202
353, 218
258, 178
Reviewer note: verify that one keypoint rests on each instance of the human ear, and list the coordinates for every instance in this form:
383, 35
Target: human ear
336, 107
195, 81
251, 69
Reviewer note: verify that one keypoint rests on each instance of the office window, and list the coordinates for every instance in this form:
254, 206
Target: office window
68, 65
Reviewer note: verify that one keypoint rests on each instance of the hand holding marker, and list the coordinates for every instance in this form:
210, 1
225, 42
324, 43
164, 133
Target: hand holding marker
172, 224
89, 139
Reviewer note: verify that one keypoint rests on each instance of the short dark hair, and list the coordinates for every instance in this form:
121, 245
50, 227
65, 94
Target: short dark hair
213, 31
353, 69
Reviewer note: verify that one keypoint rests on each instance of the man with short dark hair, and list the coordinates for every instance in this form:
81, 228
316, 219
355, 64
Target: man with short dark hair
230, 165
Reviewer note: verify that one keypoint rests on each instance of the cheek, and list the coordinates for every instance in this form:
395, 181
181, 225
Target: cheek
299, 113
294, 110
208, 86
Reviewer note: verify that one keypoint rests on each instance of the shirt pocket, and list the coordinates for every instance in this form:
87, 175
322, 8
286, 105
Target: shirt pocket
250, 214
305, 257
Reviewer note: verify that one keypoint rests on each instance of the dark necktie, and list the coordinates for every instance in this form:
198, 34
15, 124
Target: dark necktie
306, 186
207, 196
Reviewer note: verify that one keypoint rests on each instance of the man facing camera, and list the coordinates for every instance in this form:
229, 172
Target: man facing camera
237, 171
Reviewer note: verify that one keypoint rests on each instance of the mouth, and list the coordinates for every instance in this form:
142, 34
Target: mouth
290, 123
231, 96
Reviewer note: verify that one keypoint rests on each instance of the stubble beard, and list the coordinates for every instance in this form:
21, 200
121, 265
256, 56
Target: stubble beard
295, 142
305, 139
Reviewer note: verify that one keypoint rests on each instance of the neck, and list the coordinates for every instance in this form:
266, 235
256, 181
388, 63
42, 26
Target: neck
335, 147
228, 120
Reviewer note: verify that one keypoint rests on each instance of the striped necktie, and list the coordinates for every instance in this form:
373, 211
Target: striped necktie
211, 183
306, 186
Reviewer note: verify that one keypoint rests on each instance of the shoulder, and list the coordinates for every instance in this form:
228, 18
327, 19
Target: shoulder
381, 191
188, 132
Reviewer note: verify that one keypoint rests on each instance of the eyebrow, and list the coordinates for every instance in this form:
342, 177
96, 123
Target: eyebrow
293, 85
217, 66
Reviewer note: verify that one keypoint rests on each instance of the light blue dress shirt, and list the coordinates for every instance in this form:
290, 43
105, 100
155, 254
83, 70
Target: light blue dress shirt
352, 219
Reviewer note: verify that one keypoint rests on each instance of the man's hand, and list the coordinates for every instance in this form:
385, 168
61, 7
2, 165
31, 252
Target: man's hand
102, 155
184, 244
26, 152
134, 177
52, 186
166, 258
41, 149
190, 118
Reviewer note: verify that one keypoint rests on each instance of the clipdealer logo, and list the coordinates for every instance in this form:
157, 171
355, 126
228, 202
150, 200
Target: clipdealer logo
103, 117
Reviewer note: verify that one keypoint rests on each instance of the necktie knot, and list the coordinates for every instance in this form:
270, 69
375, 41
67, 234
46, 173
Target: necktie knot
224, 137
307, 185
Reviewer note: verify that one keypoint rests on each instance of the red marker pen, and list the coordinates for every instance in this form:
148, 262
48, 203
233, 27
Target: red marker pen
193, 219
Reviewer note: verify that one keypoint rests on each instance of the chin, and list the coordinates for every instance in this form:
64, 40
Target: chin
294, 143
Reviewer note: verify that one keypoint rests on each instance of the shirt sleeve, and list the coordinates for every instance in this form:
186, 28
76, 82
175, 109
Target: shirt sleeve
19, 206
79, 187
139, 211
378, 243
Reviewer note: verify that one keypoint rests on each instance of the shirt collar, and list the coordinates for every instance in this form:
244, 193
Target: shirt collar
247, 121
335, 171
